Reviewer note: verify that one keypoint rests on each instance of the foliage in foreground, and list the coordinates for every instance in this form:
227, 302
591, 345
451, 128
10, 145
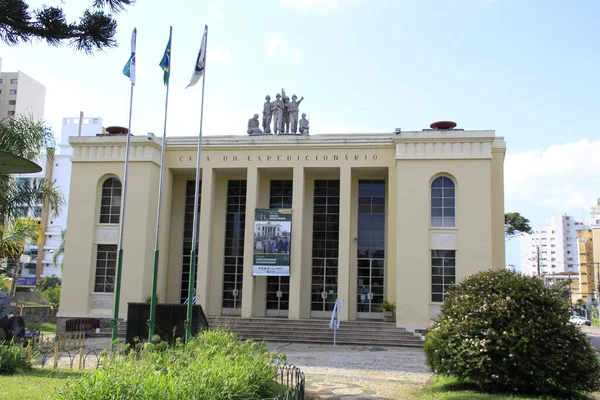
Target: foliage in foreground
13, 359
214, 365
510, 332
451, 388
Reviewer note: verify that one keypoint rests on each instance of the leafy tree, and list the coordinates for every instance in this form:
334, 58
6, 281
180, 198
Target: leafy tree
27, 138
506, 331
48, 282
52, 295
515, 224
95, 29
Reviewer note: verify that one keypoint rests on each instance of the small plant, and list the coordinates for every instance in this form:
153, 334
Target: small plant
387, 306
509, 332
13, 359
214, 365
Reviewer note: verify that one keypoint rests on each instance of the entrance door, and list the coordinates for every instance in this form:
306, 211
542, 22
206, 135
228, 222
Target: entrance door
324, 287
370, 288
278, 296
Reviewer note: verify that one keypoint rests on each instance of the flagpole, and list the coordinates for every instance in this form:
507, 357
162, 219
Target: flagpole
192, 275
151, 321
115, 321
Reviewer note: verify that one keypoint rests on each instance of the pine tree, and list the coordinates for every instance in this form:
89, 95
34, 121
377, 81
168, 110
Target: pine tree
95, 29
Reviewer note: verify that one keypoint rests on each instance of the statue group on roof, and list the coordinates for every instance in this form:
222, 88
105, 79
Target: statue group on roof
283, 113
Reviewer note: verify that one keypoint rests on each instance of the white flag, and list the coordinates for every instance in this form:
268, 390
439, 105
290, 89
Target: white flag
200, 62
129, 69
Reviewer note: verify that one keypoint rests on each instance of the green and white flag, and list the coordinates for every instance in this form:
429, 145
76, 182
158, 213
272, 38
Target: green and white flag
129, 69
165, 63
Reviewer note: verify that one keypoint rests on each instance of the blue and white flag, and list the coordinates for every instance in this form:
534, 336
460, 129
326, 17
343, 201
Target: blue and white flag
129, 69
200, 61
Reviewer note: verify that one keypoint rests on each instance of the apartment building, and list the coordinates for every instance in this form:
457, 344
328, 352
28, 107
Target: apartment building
552, 249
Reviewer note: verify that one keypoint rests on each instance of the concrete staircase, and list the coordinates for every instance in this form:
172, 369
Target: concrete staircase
107, 332
366, 333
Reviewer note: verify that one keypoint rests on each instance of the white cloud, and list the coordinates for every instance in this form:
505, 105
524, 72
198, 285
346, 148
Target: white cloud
219, 54
564, 178
318, 5
278, 46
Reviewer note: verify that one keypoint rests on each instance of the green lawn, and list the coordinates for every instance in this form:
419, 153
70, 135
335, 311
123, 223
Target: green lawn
449, 388
44, 327
37, 384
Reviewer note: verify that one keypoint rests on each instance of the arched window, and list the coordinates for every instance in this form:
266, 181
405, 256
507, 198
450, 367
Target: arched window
110, 202
443, 208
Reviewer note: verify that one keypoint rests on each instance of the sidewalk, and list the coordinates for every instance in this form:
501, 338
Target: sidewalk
358, 372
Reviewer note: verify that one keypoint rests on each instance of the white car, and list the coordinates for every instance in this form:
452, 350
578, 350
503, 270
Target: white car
577, 320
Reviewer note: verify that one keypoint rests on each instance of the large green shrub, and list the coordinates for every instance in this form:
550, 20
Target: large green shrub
214, 365
13, 359
511, 332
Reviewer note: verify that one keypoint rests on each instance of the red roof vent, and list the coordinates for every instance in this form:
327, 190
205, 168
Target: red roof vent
116, 129
443, 125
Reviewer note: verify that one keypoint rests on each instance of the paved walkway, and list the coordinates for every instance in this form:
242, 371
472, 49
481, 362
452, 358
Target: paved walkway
358, 372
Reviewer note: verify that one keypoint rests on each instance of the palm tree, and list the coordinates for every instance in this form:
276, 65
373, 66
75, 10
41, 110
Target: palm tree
15, 235
30, 139
60, 250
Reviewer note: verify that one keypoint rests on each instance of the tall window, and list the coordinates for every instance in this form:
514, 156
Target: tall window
325, 246
110, 202
443, 273
106, 262
235, 226
188, 231
443, 199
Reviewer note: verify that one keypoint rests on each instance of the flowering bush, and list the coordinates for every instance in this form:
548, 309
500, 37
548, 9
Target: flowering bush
511, 332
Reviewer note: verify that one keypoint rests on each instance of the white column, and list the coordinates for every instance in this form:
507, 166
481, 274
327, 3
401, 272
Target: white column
347, 245
205, 238
248, 279
298, 267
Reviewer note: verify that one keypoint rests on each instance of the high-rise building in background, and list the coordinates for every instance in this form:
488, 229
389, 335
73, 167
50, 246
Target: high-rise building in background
552, 249
20, 94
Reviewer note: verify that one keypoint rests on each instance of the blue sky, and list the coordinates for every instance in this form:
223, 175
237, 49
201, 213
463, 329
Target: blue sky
525, 68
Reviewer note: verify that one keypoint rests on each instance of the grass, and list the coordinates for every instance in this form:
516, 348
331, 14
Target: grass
44, 327
450, 388
36, 384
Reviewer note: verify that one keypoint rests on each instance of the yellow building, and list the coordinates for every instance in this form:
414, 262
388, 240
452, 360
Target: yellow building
587, 270
375, 217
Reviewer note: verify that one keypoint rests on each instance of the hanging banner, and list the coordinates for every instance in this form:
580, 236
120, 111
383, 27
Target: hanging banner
272, 241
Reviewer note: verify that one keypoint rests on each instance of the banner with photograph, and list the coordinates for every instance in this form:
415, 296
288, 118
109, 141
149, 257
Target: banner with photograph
272, 242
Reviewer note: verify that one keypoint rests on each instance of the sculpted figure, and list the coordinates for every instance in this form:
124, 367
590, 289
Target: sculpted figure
304, 125
253, 125
293, 112
267, 115
277, 111
286, 114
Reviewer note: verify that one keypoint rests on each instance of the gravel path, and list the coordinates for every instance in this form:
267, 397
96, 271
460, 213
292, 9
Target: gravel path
358, 372
332, 372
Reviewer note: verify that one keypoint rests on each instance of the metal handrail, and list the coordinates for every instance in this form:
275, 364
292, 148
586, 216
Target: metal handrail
333, 323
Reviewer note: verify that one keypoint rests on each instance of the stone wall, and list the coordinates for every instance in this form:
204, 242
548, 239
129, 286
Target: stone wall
38, 315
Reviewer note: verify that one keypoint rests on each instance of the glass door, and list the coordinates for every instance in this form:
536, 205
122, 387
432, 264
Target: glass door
370, 288
278, 296
324, 287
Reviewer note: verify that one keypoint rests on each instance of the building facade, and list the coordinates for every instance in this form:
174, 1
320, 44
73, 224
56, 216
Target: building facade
587, 270
397, 217
60, 173
554, 246
20, 94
